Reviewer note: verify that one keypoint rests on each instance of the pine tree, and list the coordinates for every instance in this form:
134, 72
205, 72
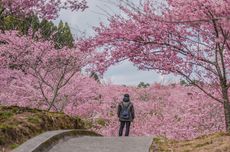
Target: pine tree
47, 29
63, 37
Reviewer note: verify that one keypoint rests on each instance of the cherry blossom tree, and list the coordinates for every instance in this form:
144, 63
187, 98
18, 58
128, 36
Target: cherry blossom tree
173, 38
188, 38
48, 9
176, 112
47, 70
35, 70
43, 9
172, 111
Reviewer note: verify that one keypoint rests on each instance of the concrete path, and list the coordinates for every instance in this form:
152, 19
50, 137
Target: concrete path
35, 142
104, 144
45, 141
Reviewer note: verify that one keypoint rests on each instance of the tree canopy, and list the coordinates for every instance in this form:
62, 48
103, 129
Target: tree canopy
187, 38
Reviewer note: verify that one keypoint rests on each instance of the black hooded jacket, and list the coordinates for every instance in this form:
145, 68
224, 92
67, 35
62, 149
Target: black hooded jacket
126, 102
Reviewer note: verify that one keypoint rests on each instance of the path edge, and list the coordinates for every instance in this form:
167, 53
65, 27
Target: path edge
46, 145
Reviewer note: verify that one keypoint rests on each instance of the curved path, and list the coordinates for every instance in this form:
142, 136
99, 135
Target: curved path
104, 144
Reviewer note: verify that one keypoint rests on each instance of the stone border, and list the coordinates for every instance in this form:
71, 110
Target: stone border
45, 141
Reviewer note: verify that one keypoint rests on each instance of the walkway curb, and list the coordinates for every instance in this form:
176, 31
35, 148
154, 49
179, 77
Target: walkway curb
45, 141
104, 144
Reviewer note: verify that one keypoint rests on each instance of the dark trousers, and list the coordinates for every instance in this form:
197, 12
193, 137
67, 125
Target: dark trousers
122, 125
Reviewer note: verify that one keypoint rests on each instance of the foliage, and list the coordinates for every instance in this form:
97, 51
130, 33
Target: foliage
5, 115
33, 72
183, 82
60, 34
95, 76
187, 38
37, 74
46, 75
47, 9
63, 36
175, 112
143, 85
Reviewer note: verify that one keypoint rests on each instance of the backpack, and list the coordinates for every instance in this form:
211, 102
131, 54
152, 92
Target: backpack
125, 112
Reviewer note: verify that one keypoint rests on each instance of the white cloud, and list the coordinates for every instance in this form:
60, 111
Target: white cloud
123, 73
127, 74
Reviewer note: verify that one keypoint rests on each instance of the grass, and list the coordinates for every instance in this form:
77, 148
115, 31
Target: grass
18, 124
101, 122
34, 119
6, 114
13, 146
218, 142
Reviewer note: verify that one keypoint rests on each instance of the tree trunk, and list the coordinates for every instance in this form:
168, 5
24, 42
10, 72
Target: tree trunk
54, 98
226, 109
227, 116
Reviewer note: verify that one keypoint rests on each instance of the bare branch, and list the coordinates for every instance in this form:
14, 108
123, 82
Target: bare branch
198, 86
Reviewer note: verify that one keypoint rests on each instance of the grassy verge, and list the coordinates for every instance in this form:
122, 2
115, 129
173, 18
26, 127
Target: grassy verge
19, 124
218, 142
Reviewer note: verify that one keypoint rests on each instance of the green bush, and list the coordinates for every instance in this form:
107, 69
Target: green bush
5, 115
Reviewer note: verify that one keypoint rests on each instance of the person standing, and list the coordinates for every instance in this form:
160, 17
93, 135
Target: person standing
125, 114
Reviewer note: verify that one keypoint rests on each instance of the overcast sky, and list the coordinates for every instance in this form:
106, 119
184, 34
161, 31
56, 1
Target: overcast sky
123, 73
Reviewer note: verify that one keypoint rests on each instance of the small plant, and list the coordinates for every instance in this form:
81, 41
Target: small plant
101, 122
13, 146
88, 123
6, 126
5, 114
203, 144
34, 119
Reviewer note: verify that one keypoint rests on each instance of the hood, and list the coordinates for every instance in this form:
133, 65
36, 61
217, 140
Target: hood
126, 103
126, 99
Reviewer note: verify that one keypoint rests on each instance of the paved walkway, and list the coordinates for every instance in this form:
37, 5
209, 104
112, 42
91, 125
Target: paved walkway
104, 144
32, 144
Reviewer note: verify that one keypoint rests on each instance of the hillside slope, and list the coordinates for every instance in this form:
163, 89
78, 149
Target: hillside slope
19, 124
218, 142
